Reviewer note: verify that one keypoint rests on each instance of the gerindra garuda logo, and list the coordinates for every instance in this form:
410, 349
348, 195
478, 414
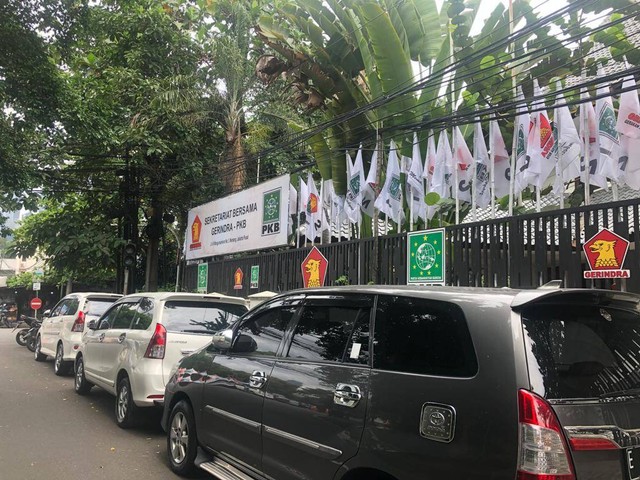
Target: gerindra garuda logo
196, 231
605, 253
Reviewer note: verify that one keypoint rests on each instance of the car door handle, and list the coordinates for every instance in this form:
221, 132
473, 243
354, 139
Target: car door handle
101, 337
346, 395
122, 337
257, 379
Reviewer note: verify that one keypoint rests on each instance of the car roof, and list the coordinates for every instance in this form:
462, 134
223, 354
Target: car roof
514, 298
163, 296
93, 294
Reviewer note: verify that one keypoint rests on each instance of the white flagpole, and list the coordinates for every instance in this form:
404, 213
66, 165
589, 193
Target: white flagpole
585, 159
474, 190
492, 173
322, 219
455, 180
411, 209
559, 164
512, 168
299, 212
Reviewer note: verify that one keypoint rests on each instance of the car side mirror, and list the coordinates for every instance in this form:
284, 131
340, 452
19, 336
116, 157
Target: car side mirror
222, 340
245, 344
46, 313
92, 325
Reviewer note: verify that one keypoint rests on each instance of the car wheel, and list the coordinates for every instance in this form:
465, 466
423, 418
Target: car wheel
182, 442
126, 410
37, 354
60, 367
81, 384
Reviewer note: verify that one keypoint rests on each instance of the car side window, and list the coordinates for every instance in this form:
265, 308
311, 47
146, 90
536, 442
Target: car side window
107, 319
144, 315
125, 315
55, 311
418, 335
335, 333
261, 334
69, 306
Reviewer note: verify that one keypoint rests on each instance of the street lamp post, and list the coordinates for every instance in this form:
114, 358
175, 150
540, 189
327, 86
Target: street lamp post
178, 248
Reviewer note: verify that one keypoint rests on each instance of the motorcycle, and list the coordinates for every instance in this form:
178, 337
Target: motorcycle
29, 336
21, 336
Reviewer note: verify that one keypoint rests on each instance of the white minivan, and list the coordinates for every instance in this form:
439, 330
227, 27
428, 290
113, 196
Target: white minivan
131, 349
61, 330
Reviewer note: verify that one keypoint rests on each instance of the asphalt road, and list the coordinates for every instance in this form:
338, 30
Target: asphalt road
48, 432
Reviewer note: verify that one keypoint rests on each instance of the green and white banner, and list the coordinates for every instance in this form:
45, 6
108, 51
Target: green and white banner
253, 219
426, 257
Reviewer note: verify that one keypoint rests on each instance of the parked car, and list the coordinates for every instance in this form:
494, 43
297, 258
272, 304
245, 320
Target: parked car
131, 349
61, 330
387, 383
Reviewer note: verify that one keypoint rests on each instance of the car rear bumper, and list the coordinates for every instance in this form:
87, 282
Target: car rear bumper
71, 345
147, 383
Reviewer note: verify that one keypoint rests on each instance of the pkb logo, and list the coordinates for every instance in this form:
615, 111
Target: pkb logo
271, 212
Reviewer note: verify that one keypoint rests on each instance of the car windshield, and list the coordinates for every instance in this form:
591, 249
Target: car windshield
582, 351
97, 306
200, 316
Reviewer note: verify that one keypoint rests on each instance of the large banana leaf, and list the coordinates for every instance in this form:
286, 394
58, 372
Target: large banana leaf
419, 22
392, 62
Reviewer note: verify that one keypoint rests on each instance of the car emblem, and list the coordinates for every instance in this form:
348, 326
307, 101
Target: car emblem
438, 422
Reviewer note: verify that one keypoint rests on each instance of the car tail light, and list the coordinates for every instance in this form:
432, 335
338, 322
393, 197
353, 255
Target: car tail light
78, 325
592, 443
543, 453
158, 342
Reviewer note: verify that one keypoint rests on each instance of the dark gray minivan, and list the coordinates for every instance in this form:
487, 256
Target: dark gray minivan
383, 383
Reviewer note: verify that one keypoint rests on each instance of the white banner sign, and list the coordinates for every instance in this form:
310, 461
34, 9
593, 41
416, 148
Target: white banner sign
253, 219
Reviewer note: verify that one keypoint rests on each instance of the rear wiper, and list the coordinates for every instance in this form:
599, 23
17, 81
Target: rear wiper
631, 392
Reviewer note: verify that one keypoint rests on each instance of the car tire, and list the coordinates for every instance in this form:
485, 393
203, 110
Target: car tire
81, 385
37, 354
60, 367
182, 441
126, 411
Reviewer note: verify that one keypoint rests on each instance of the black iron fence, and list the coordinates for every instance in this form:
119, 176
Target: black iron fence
524, 251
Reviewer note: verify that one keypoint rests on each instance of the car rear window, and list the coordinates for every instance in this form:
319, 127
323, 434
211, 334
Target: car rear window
418, 335
97, 306
582, 351
200, 316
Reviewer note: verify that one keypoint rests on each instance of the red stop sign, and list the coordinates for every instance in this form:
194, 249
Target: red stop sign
35, 303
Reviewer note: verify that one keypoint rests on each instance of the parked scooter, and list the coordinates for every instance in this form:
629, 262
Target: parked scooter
32, 332
21, 336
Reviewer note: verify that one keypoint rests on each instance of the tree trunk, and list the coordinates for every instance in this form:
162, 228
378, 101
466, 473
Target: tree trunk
69, 286
151, 280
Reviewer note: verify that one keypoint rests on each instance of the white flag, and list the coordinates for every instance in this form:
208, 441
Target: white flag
629, 111
443, 172
304, 196
608, 138
430, 161
587, 111
355, 182
313, 210
416, 183
569, 147
481, 189
501, 162
328, 194
370, 190
521, 132
390, 199
540, 145
463, 161
293, 207
630, 161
